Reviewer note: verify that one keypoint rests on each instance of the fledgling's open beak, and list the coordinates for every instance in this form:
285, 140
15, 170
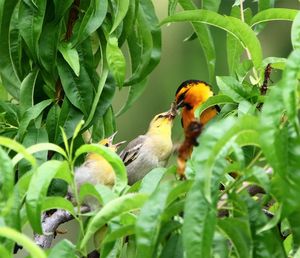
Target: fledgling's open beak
172, 113
111, 138
117, 145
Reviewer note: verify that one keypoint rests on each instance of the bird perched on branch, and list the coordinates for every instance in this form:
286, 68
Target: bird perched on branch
96, 169
150, 150
189, 96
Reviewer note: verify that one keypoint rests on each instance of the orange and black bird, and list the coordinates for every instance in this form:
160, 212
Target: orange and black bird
189, 96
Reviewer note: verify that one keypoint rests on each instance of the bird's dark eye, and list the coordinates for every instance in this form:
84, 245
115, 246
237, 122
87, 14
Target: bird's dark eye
188, 106
106, 144
160, 116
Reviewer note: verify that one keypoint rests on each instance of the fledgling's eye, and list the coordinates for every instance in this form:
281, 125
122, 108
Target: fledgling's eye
106, 144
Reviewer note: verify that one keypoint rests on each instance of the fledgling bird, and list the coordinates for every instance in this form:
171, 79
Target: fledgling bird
96, 169
150, 150
189, 96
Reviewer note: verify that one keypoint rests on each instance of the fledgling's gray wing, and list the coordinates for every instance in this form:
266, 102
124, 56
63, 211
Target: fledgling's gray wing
131, 151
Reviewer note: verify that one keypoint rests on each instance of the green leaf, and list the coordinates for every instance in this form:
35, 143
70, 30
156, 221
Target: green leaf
267, 243
21, 239
31, 18
109, 122
238, 232
17, 147
199, 224
70, 55
33, 136
274, 14
289, 87
112, 209
30, 114
204, 36
135, 92
7, 175
98, 102
38, 189
126, 230
113, 159
265, 4
9, 76
181, 188
149, 220
212, 5
5, 252
295, 33
63, 249
52, 124
69, 117
212, 101
116, 60
232, 25
232, 88
56, 202
119, 13
15, 44
48, 42
172, 4
234, 48
276, 62
61, 8
27, 91
91, 21
78, 89
173, 247
151, 181
147, 40
87, 190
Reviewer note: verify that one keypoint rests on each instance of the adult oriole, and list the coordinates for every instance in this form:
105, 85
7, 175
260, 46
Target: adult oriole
150, 150
189, 96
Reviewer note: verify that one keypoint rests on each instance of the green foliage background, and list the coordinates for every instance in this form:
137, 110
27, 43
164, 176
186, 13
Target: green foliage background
61, 64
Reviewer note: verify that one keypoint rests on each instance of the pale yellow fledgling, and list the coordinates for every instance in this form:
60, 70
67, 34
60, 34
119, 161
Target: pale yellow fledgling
150, 150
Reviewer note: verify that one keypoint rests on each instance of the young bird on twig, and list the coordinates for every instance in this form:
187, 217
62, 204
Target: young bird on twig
150, 150
96, 169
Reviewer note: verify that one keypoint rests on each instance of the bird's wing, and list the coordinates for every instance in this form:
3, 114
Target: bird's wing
131, 151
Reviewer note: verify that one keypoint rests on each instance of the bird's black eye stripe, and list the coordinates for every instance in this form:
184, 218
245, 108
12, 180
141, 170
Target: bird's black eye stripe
188, 106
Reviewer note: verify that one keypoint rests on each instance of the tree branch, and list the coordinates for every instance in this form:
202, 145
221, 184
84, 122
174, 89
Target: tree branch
51, 223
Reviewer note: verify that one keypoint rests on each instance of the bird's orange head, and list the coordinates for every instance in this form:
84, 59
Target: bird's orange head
192, 93
189, 96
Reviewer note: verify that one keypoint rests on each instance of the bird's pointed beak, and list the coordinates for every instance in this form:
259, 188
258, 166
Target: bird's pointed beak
180, 104
111, 138
117, 145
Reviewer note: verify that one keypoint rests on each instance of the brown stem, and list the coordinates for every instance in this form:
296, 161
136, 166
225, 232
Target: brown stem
264, 87
73, 16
